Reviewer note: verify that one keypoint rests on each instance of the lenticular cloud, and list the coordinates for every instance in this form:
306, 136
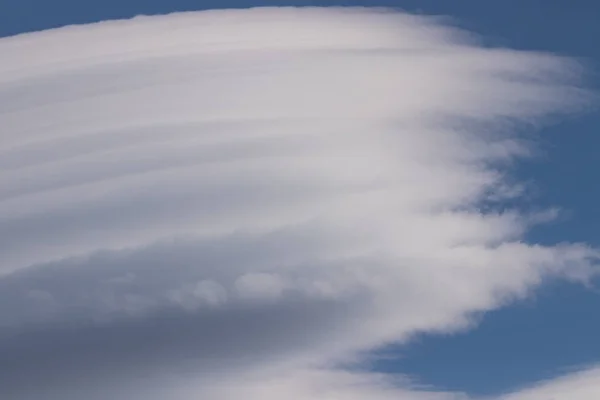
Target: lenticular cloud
237, 203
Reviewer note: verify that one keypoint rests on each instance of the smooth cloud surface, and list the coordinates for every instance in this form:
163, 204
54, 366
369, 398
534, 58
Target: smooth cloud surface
233, 204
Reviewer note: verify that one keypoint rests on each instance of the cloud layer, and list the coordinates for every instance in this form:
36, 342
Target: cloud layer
237, 203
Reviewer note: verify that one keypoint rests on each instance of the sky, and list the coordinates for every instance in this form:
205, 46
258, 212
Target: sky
296, 203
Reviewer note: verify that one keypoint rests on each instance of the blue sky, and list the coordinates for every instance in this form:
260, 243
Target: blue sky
539, 338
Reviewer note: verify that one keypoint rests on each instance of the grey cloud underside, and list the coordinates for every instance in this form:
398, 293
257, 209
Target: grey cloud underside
235, 203
205, 341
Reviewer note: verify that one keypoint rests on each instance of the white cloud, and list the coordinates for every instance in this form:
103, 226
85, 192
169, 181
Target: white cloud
582, 385
249, 198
